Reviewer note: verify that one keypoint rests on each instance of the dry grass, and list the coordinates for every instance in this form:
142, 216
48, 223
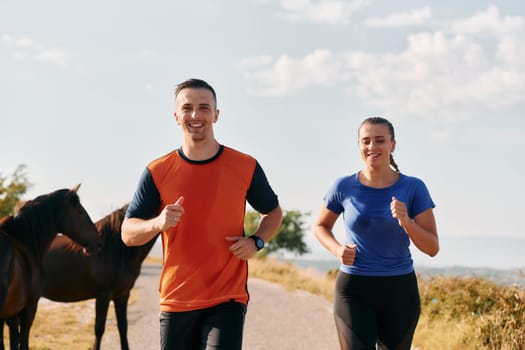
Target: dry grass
292, 277
473, 313
67, 326
450, 336
60, 326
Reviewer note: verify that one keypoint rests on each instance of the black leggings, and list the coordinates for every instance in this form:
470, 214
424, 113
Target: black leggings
372, 310
219, 327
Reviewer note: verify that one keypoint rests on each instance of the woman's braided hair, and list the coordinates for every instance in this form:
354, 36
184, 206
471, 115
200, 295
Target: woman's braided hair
379, 120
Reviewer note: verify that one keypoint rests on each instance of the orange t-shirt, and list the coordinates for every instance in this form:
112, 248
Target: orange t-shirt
198, 270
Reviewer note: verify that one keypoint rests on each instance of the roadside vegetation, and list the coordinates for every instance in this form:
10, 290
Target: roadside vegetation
458, 313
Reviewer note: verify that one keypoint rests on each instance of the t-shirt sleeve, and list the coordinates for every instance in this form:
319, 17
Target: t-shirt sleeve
422, 199
260, 195
333, 199
146, 200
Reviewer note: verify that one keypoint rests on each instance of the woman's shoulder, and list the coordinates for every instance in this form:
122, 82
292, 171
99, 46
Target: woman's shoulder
410, 180
345, 180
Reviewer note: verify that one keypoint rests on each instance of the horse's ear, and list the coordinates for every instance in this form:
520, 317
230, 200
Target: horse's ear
75, 189
18, 206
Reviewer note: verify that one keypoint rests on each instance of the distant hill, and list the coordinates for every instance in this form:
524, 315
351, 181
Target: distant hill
468, 251
500, 276
476, 251
500, 259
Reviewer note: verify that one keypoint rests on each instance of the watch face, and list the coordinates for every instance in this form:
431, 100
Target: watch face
259, 243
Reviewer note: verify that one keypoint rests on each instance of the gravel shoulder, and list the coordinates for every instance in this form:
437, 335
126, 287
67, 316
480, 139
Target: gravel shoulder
277, 319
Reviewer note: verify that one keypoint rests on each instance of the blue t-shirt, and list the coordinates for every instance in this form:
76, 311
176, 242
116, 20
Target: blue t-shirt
382, 245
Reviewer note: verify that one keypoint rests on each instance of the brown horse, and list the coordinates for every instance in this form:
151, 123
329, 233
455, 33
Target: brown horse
24, 239
71, 276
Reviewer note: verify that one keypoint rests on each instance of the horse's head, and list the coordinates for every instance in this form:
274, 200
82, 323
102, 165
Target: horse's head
76, 223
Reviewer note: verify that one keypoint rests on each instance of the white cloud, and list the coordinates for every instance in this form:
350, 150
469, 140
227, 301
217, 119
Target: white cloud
437, 74
334, 12
22, 48
490, 22
20, 42
462, 68
288, 75
411, 18
508, 31
56, 56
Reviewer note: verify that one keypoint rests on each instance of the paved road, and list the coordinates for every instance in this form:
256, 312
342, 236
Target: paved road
277, 319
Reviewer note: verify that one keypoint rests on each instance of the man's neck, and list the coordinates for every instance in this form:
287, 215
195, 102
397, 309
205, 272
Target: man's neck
201, 150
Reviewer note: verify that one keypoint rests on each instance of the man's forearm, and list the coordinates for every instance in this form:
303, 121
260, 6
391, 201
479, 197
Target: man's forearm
137, 232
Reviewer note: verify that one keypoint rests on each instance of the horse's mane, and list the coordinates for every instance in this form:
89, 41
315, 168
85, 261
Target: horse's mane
109, 226
44, 201
110, 229
35, 217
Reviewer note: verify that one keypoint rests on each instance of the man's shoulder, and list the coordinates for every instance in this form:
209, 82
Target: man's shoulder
231, 152
166, 158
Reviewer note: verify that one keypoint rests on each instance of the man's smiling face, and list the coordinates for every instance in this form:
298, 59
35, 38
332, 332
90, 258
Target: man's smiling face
196, 112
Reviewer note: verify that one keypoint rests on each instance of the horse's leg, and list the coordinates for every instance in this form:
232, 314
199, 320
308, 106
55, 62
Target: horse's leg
101, 313
121, 311
12, 325
14, 332
6, 267
27, 317
2, 332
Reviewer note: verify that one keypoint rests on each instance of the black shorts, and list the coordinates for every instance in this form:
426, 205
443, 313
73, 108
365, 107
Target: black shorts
372, 310
218, 327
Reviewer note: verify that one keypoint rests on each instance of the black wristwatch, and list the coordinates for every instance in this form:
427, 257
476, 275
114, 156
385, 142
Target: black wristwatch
259, 243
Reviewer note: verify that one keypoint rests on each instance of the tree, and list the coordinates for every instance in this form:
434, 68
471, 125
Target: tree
289, 236
11, 189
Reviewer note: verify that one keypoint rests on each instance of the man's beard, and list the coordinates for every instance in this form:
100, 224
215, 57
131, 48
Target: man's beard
198, 137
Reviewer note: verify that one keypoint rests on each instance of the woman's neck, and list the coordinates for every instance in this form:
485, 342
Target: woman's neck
378, 178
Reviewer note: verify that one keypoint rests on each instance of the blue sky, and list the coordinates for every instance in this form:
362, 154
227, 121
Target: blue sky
87, 95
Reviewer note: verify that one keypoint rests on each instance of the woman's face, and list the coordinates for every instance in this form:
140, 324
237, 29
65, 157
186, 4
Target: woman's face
376, 144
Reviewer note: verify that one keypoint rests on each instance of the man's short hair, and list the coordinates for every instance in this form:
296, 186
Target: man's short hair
196, 84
